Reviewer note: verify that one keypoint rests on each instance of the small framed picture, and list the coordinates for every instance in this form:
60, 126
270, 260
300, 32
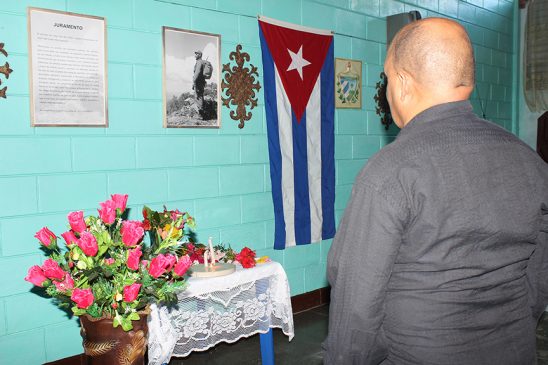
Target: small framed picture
348, 83
191, 68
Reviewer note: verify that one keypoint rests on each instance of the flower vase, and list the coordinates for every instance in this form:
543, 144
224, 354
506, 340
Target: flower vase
104, 344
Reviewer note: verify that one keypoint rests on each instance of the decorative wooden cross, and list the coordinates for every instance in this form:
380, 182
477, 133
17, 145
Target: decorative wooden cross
239, 84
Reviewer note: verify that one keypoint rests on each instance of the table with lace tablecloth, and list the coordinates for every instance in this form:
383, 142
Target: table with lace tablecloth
223, 309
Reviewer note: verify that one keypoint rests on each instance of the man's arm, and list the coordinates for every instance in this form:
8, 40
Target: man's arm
537, 271
197, 70
359, 266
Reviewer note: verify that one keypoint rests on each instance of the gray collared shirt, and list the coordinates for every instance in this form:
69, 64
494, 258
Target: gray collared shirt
441, 255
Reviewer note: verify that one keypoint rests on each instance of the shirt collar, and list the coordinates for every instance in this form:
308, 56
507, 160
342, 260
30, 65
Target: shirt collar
438, 112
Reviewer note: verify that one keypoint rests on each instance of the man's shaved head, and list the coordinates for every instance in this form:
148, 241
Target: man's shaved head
436, 52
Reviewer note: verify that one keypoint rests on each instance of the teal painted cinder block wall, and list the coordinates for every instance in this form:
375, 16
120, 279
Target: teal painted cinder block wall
220, 175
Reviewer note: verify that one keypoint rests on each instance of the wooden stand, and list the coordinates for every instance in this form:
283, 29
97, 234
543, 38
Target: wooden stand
211, 271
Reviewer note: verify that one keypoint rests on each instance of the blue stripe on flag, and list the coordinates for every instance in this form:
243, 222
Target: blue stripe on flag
300, 173
269, 79
328, 146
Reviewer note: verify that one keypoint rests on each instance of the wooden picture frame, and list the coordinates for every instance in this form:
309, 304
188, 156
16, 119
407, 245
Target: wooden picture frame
191, 90
68, 69
348, 83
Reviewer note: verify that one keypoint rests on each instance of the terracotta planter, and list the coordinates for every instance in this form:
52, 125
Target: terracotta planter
104, 344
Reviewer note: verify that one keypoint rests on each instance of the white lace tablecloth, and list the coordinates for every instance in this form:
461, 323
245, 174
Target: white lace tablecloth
221, 309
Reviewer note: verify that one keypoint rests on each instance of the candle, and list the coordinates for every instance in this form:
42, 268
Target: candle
212, 252
205, 259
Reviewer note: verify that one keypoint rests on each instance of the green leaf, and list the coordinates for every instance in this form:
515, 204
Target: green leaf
102, 249
134, 316
78, 311
94, 311
126, 324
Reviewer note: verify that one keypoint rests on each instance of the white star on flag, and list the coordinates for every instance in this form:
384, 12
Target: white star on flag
297, 61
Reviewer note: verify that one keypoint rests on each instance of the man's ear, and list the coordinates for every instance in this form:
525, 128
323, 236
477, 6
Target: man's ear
405, 87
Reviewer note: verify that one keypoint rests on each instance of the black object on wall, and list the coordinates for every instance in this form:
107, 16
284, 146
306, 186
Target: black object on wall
397, 21
542, 136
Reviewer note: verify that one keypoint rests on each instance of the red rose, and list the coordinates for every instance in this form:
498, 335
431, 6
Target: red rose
246, 251
82, 297
88, 244
246, 257
182, 265
248, 262
131, 292
76, 221
170, 261
132, 232
198, 255
36, 276
52, 270
133, 258
158, 266
107, 213
46, 237
70, 238
120, 201
64, 285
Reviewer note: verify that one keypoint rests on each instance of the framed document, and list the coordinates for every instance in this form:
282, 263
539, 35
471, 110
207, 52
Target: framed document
348, 83
191, 79
67, 63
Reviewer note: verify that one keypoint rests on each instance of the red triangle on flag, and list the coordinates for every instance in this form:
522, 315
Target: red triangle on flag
299, 57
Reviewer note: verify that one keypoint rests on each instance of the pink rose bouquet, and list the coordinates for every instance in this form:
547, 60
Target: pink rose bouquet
108, 267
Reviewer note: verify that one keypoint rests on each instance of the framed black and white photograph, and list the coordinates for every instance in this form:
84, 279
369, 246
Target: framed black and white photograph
191, 79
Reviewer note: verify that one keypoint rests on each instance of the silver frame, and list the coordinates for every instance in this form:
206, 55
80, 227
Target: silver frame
104, 123
217, 38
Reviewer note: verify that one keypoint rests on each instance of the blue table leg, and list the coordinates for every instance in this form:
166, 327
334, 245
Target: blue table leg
267, 347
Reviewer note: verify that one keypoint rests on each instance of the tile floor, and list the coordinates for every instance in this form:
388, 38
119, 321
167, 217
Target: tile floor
304, 349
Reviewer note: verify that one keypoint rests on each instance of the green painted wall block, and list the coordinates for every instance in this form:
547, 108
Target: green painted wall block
13, 347
62, 340
176, 151
18, 195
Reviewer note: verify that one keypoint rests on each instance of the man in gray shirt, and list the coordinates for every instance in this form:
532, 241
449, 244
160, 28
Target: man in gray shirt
441, 257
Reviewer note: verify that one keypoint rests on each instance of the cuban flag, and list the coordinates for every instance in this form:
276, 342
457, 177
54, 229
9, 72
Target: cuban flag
299, 100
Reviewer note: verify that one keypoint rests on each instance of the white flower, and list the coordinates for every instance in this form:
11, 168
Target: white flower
253, 310
196, 324
224, 322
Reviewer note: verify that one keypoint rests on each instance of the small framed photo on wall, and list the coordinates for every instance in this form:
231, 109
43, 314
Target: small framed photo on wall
348, 83
191, 72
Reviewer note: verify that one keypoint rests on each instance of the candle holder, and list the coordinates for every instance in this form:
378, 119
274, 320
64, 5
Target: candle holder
213, 270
